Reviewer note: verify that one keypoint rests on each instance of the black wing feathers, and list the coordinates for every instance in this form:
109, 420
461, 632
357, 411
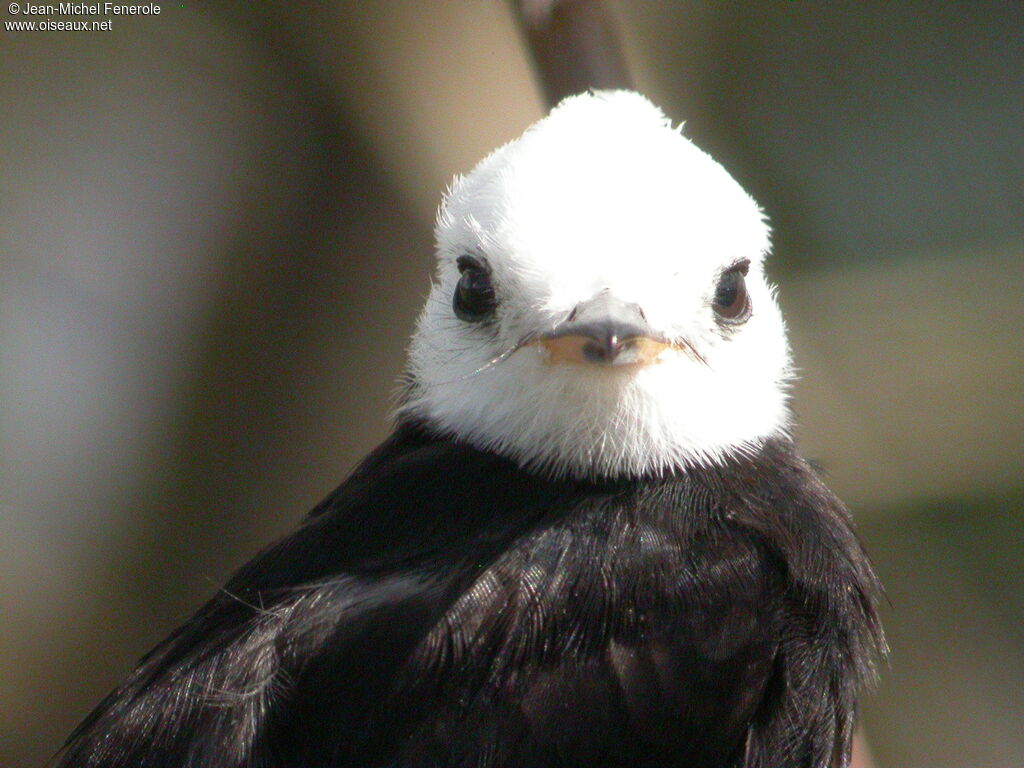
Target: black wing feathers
829, 633
364, 577
443, 608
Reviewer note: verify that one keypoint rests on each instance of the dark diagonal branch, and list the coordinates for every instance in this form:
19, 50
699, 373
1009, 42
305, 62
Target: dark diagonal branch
574, 46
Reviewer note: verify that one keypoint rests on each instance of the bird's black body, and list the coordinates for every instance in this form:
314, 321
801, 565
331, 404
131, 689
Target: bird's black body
445, 608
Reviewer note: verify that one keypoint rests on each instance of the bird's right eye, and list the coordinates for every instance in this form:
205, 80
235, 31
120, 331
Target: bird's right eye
474, 299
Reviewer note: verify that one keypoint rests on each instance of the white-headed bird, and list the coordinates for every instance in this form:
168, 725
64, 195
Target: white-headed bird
589, 541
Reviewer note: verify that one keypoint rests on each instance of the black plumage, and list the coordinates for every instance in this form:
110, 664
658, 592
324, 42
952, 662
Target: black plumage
444, 607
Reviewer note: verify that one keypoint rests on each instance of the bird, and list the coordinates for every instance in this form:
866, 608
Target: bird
589, 540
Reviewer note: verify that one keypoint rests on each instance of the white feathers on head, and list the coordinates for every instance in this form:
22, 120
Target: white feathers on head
601, 195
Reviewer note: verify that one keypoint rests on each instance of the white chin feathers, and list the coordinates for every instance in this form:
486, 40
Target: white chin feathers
592, 421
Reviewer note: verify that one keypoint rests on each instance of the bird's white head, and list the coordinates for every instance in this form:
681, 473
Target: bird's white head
600, 308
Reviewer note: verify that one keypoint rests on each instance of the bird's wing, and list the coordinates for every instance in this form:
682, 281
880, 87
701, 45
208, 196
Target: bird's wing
830, 637
352, 590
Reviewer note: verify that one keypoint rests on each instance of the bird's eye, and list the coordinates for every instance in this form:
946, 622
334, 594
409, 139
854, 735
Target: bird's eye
731, 302
474, 298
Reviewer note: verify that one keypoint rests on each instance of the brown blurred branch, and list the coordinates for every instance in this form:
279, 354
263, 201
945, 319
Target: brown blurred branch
574, 46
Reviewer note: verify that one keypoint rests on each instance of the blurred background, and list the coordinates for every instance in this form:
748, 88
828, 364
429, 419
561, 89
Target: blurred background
215, 235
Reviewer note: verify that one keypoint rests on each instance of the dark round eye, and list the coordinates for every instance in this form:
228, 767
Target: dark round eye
731, 301
474, 298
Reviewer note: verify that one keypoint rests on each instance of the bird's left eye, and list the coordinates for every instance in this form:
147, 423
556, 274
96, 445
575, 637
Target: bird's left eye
731, 302
474, 298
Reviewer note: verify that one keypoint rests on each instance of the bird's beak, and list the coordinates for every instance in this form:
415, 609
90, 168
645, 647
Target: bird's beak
604, 331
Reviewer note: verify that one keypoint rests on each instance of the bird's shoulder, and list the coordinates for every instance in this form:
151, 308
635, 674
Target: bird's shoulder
442, 591
630, 617
339, 600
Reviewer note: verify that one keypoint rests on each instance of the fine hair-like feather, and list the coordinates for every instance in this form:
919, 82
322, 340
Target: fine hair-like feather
724, 616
